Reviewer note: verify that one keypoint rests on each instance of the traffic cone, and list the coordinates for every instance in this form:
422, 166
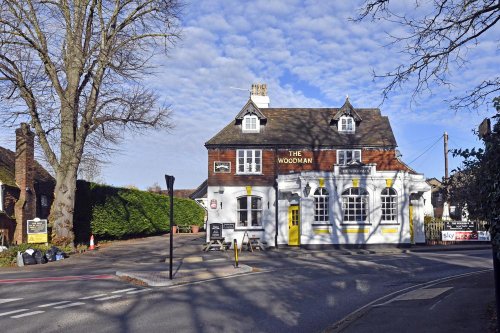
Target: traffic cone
91, 247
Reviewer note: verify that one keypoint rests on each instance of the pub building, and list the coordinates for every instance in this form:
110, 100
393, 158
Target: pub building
312, 177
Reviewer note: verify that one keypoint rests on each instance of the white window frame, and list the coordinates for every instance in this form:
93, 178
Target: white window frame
345, 156
355, 206
321, 206
389, 205
247, 161
347, 124
251, 124
253, 213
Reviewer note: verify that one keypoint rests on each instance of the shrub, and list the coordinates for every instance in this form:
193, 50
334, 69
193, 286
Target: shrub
116, 213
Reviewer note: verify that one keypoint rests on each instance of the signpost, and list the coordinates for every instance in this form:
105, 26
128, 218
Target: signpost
37, 231
170, 186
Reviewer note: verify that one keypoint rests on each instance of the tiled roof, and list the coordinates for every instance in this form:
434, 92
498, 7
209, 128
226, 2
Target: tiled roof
7, 169
308, 127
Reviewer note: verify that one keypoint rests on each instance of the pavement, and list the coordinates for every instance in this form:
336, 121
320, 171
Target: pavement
460, 304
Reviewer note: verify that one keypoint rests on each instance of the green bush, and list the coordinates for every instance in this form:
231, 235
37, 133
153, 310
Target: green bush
117, 213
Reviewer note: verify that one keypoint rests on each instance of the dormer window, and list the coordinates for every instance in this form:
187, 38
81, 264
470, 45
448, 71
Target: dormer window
251, 124
347, 124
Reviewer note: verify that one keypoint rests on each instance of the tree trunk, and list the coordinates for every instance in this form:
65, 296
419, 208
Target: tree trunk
61, 213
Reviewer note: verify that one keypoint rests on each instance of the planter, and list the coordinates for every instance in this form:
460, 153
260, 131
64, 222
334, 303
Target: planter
195, 229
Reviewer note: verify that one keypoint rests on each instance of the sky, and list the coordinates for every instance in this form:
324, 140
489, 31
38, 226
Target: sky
310, 55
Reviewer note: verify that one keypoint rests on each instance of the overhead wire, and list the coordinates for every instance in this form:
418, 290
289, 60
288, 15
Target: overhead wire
429, 148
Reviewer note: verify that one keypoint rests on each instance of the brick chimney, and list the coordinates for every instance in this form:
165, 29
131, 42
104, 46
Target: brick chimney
25, 208
258, 94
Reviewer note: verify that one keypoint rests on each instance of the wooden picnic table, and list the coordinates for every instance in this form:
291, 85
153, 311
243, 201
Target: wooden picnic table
217, 244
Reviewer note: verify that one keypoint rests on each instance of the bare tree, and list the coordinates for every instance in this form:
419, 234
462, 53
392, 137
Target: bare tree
73, 69
436, 39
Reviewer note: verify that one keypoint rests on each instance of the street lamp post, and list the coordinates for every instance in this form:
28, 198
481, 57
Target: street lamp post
170, 186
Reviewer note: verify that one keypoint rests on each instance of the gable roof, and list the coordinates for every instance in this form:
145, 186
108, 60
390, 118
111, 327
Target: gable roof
7, 169
347, 110
250, 108
309, 127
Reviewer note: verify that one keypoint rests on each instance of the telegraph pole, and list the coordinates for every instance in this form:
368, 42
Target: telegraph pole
445, 156
446, 206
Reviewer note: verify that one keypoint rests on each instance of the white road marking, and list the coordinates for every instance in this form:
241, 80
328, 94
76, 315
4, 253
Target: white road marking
123, 290
11, 312
27, 314
51, 304
422, 294
94, 296
109, 297
7, 300
70, 305
137, 291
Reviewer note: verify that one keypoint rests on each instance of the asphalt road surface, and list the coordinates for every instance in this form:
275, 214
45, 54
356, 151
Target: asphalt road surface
281, 295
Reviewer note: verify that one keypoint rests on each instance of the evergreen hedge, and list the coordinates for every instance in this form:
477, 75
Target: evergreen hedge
116, 213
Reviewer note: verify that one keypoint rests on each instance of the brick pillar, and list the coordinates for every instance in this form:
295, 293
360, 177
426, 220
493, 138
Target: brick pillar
25, 208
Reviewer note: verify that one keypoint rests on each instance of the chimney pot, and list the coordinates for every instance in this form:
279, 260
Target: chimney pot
258, 94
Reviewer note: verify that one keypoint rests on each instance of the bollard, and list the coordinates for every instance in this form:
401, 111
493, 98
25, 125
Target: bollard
235, 253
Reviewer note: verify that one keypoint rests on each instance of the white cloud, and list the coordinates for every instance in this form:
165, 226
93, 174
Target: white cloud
308, 53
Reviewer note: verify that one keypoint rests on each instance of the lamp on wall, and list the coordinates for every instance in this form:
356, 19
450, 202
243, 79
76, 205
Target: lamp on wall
307, 189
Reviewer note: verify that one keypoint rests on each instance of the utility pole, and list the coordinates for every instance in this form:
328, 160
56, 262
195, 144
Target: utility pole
445, 156
446, 206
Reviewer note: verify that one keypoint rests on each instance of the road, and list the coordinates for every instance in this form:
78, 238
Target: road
281, 295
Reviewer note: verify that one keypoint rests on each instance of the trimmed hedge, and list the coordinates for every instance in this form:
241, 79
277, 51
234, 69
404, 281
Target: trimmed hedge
116, 213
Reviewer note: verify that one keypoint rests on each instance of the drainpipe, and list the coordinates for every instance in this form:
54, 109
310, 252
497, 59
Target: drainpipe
276, 196
1, 197
276, 212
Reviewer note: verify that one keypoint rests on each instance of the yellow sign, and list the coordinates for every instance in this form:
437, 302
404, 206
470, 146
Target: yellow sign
389, 230
355, 231
355, 182
388, 182
249, 190
295, 157
38, 238
322, 182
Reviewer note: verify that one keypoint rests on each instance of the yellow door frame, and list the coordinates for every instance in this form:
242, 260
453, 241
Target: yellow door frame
294, 225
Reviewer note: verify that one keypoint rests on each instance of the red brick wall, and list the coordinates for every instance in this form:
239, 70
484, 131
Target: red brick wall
322, 160
231, 179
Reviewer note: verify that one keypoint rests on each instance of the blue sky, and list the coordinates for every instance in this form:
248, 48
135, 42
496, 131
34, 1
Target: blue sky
310, 55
